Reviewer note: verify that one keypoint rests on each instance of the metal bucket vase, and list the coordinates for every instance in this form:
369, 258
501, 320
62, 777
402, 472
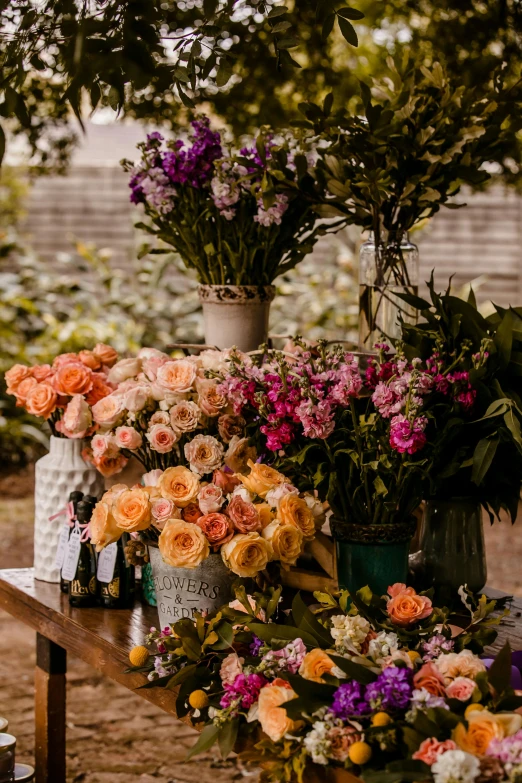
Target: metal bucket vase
373, 555
181, 592
236, 315
57, 474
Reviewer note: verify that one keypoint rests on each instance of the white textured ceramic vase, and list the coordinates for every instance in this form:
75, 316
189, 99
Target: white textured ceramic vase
58, 474
236, 315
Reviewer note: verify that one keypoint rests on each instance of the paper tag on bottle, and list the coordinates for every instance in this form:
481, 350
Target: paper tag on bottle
106, 563
72, 555
62, 545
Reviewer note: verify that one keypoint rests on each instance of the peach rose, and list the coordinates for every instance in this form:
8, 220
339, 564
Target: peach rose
271, 715
41, 372
185, 416
109, 464
41, 400
15, 375
177, 376
162, 439
210, 498
179, 485
429, 678
103, 527
23, 390
286, 542
103, 444
183, 545
106, 354
430, 750
76, 419
160, 417
225, 481
73, 378
315, 664
405, 607
107, 411
152, 478
162, 510
261, 479
89, 359
100, 389
266, 515
63, 359
127, 438
191, 513
230, 667
230, 426
246, 554
131, 510
217, 528
461, 688
204, 454
211, 401
123, 370
293, 510
243, 514
462, 664
239, 454
484, 726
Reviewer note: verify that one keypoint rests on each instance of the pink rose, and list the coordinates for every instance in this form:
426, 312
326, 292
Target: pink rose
218, 528
210, 400
225, 481
41, 372
128, 438
210, 498
162, 510
106, 354
461, 688
430, 750
231, 666
124, 369
107, 411
160, 417
76, 420
151, 478
177, 376
244, 515
103, 445
151, 364
137, 398
162, 438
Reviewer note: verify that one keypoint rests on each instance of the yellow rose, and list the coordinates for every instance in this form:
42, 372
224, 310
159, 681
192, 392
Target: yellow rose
271, 715
315, 664
103, 527
484, 726
261, 479
246, 554
131, 510
286, 542
183, 544
265, 513
179, 485
293, 510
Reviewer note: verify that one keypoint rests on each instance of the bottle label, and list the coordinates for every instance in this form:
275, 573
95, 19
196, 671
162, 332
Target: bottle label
106, 563
77, 589
62, 545
72, 555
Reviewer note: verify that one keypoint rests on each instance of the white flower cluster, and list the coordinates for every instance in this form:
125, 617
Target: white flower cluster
383, 645
456, 766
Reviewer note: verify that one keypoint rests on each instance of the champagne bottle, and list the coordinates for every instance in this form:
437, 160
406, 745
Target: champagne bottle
74, 498
120, 591
82, 589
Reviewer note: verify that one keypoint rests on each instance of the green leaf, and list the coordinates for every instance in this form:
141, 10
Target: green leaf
207, 738
350, 13
380, 486
269, 631
513, 424
483, 457
354, 670
499, 674
277, 11
305, 620
348, 31
224, 73
181, 676
288, 43
328, 25
227, 737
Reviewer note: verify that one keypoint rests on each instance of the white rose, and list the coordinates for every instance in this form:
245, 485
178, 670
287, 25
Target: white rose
274, 495
136, 399
125, 368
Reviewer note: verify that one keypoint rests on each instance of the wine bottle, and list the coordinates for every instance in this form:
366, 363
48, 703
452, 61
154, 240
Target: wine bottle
74, 498
82, 589
119, 592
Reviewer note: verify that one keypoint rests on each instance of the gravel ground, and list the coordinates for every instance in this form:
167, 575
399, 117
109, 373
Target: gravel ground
112, 734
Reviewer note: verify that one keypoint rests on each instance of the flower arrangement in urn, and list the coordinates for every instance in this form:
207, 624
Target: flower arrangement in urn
250, 520
385, 687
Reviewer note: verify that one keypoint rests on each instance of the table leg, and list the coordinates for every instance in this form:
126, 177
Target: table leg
51, 666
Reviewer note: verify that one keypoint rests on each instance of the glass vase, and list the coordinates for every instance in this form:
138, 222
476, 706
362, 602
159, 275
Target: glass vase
451, 547
388, 265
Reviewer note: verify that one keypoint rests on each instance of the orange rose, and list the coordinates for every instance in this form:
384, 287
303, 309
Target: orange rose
429, 678
217, 528
41, 400
100, 389
64, 358
132, 510
265, 514
105, 354
15, 376
430, 750
261, 479
405, 607
103, 527
41, 372
107, 464
271, 715
22, 390
315, 664
73, 378
179, 485
89, 360
293, 510
191, 513
183, 545
484, 726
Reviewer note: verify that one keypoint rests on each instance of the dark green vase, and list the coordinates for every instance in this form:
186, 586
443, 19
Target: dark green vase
373, 555
147, 585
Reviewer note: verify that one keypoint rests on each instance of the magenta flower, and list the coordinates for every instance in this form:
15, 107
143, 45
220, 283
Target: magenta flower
244, 690
406, 436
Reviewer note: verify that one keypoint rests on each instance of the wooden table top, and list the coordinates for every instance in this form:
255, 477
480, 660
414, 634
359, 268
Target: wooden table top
100, 637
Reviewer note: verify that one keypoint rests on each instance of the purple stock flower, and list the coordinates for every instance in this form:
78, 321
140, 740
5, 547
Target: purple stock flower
194, 165
256, 644
435, 646
244, 690
391, 690
349, 700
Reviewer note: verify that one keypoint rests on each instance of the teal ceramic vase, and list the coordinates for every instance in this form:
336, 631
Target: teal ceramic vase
451, 546
373, 555
147, 585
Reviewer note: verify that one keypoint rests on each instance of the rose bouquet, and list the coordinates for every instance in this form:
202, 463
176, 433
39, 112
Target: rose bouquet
250, 519
237, 217
387, 687
165, 412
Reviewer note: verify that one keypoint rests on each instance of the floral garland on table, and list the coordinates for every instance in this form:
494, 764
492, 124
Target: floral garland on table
165, 412
391, 688
249, 520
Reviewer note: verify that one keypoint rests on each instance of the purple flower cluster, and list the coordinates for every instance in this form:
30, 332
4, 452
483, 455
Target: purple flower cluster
255, 646
507, 750
349, 701
244, 691
437, 645
392, 690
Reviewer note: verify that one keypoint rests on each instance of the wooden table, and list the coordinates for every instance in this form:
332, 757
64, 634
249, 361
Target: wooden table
101, 638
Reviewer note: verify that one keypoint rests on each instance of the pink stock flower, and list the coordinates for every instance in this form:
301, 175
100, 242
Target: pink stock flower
406, 436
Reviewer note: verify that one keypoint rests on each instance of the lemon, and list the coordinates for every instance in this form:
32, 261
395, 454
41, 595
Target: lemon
381, 719
360, 753
198, 700
413, 655
139, 655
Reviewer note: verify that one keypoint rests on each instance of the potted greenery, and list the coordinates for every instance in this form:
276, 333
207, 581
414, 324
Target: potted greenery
420, 137
239, 218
